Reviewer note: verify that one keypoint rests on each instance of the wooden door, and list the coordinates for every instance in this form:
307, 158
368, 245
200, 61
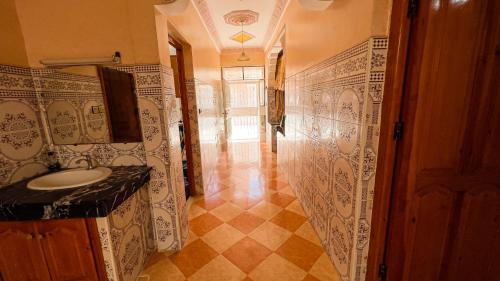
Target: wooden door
21, 255
67, 249
121, 105
444, 222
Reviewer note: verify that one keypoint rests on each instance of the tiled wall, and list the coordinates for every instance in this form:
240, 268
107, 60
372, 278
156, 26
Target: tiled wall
159, 116
330, 148
23, 143
127, 237
206, 125
211, 129
68, 100
195, 135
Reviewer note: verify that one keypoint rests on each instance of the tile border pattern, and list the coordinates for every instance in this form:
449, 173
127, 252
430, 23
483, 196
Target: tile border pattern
23, 146
160, 149
78, 92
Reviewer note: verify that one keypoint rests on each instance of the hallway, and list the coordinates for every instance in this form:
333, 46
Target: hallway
250, 227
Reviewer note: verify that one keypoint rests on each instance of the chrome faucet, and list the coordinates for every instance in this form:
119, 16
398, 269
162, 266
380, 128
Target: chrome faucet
88, 159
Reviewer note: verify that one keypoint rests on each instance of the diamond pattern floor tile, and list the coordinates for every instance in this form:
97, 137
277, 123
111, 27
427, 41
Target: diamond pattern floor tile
247, 254
288, 220
265, 210
219, 269
193, 257
211, 202
300, 251
307, 232
270, 235
222, 237
248, 227
281, 199
246, 222
226, 212
309, 277
276, 268
203, 224
324, 270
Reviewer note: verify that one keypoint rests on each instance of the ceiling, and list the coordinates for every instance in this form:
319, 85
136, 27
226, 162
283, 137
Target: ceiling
224, 33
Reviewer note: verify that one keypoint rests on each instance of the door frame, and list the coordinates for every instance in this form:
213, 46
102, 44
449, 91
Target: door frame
227, 104
399, 36
185, 110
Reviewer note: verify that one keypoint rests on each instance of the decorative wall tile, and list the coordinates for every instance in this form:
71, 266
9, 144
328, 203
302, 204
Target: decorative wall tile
23, 144
329, 153
154, 217
127, 237
154, 85
210, 127
195, 135
67, 99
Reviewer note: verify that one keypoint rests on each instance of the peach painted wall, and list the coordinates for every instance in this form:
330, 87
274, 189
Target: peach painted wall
230, 58
205, 54
89, 28
12, 50
313, 36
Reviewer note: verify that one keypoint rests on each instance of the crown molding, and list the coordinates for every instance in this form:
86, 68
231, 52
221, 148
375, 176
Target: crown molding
206, 18
279, 11
201, 7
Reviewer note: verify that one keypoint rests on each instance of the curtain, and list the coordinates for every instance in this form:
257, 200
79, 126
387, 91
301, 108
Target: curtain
279, 91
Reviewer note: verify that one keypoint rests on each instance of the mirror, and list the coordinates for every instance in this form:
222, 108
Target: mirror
90, 104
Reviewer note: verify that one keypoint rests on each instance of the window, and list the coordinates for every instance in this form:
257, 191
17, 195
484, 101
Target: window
243, 73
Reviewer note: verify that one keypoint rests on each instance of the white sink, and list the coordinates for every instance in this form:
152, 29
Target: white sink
69, 178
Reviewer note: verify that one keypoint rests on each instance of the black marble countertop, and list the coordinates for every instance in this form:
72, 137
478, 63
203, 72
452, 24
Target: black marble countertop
18, 202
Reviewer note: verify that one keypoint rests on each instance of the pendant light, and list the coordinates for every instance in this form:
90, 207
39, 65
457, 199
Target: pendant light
243, 56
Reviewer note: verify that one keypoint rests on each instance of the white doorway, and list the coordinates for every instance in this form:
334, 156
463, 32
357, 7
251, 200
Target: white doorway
243, 99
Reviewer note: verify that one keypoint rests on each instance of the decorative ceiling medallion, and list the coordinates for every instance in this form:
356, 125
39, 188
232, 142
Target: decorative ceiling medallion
241, 17
242, 37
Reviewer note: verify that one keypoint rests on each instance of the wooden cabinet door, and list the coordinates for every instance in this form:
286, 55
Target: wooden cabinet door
67, 249
21, 255
445, 214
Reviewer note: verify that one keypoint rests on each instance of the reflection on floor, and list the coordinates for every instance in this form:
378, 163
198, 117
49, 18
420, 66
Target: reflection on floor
244, 127
251, 227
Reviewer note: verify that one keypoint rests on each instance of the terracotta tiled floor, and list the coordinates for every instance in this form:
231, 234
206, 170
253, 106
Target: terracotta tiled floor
249, 227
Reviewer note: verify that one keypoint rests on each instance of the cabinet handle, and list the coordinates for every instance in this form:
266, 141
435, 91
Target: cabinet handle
39, 236
29, 236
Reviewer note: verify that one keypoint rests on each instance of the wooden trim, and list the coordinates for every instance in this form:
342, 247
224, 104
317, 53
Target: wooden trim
106, 103
399, 36
185, 111
95, 242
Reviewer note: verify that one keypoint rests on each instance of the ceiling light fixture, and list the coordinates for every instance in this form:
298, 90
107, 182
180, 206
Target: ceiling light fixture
243, 56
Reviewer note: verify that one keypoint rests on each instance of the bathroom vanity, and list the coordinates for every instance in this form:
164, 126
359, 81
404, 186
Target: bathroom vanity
52, 234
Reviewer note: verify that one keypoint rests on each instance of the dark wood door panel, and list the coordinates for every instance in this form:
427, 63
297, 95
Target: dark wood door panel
67, 249
21, 255
444, 220
477, 231
428, 229
121, 103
